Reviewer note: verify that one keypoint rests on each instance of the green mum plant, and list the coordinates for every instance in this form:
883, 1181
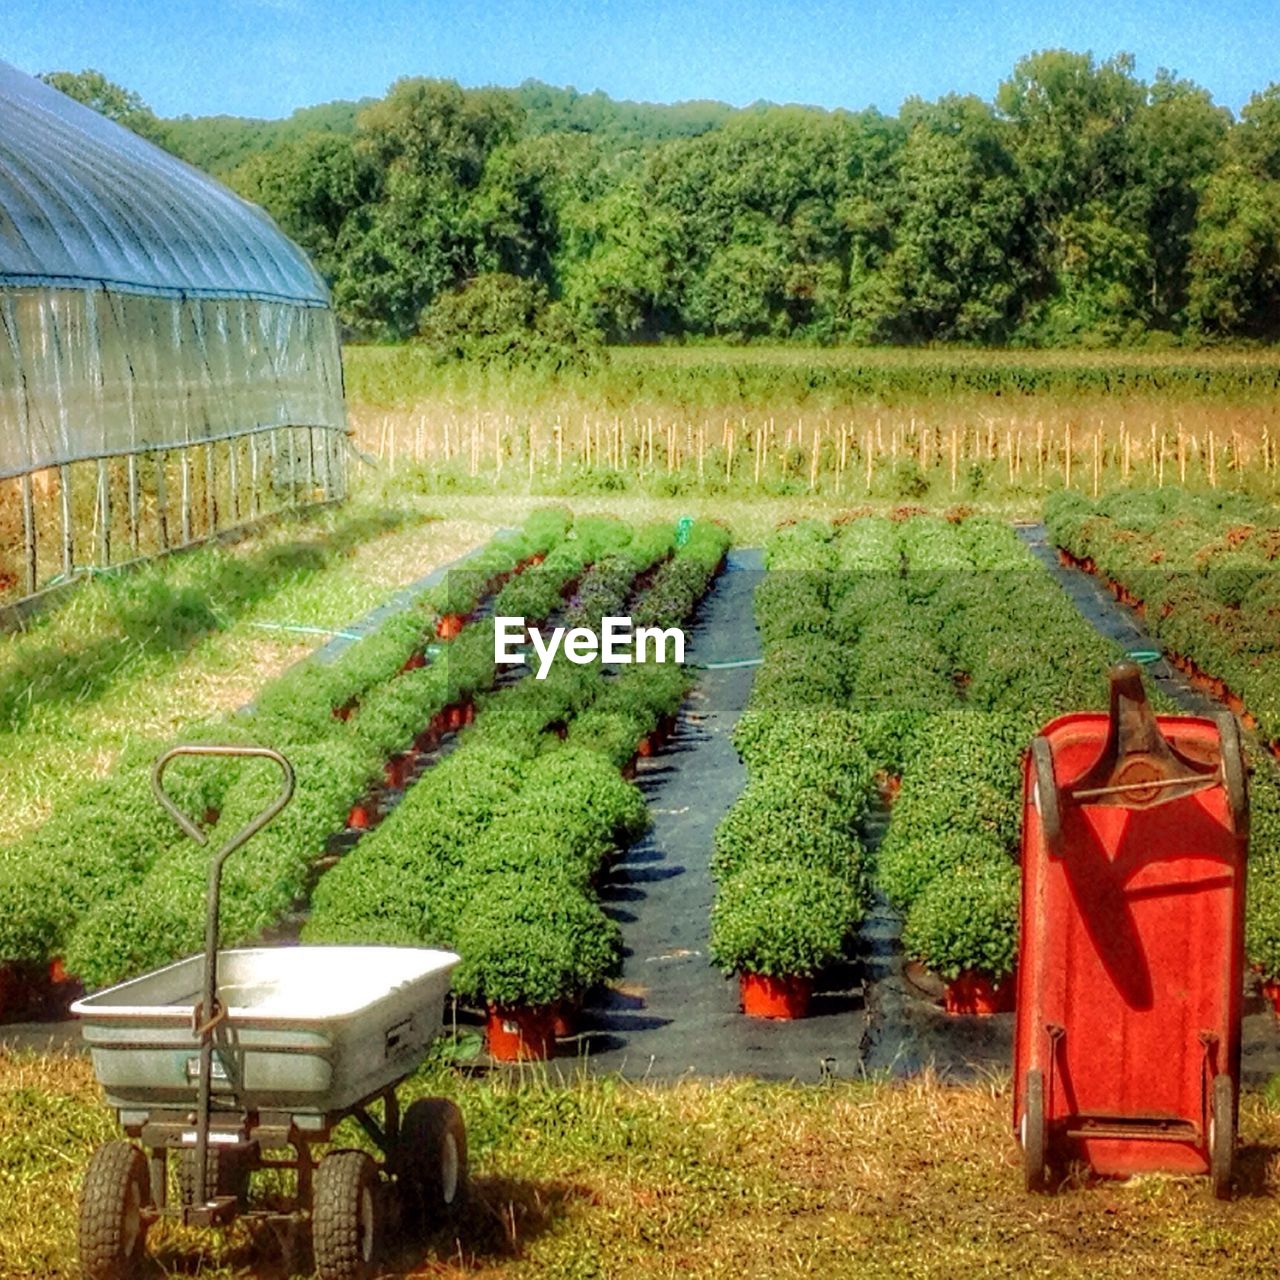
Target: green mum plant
782, 921
966, 919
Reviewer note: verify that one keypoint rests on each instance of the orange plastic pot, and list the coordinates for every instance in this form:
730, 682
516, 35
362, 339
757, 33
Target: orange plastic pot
524, 1034
396, 771
564, 1019
645, 747
415, 662
766, 997
359, 819
448, 626
977, 994
1271, 992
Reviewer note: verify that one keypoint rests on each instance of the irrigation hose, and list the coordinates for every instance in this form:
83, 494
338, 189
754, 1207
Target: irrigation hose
1144, 656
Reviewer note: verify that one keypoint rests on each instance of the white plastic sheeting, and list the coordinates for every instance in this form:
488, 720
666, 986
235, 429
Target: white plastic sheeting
142, 305
90, 373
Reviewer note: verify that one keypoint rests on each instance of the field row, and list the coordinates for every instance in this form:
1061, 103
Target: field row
920, 656
504, 825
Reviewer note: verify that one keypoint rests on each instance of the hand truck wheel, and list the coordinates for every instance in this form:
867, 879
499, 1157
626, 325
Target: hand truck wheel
1233, 771
113, 1226
1034, 1139
1046, 793
346, 1216
1222, 1136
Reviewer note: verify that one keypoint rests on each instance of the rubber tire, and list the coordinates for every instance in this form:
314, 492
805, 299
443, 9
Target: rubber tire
1047, 794
1035, 1152
226, 1174
1222, 1136
112, 1236
1233, 770
433, 1163
346, 1216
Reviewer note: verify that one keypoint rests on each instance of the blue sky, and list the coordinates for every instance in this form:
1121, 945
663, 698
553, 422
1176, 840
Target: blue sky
265, 57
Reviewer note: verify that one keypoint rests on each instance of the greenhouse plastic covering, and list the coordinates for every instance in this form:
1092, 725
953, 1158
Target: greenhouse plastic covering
142, 305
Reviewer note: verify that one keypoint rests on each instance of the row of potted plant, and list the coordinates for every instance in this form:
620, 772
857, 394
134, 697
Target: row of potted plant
1020, 654
790, 870
1203, 570
111, 853
950, 646
335, 759
498, 850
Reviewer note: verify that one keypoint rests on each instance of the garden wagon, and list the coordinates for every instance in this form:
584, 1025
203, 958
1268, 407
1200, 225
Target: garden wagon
231, 1055
1127, 1052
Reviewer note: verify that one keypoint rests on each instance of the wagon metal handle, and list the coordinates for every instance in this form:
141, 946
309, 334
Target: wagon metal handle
251, 828
210, 1013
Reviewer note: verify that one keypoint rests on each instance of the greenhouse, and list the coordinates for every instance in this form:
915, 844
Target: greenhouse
169, 363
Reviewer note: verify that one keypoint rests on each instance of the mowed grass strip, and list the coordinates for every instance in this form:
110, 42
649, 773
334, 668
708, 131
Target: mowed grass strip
602, 1178
97, 674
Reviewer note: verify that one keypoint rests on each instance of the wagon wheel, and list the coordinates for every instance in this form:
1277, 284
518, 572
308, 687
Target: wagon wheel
1034, 1138
1047, 792
113, 1228
346, 1216
226, 1173
432, 1162
1222, 1136
1233, 771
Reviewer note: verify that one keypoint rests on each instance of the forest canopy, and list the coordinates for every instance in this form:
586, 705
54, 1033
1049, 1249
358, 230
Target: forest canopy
1082, 206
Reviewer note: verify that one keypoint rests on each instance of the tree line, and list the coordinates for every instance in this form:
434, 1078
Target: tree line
1083, 205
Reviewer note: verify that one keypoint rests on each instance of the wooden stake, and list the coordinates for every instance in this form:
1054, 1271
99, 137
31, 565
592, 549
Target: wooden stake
104, 510
29, 533
186, 493
233, 474
68, 532
255, 477
955, 458
162, 497
1067, 464
1213, 467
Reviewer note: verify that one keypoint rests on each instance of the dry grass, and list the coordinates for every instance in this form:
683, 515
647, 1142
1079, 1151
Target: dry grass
601, 1179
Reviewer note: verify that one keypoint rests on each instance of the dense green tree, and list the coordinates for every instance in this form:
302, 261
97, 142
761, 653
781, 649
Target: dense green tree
945, 256
109, 99
1235, 257
1178, 141
1082, 205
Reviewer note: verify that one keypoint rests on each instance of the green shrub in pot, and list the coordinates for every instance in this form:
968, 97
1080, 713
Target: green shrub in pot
527, 942
966, 920
905, 868
782, 920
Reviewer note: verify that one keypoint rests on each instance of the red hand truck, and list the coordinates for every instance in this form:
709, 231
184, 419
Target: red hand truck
1134, 843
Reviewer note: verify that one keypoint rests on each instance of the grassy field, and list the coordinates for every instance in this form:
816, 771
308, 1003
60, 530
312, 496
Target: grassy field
699, 1179
139, 654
